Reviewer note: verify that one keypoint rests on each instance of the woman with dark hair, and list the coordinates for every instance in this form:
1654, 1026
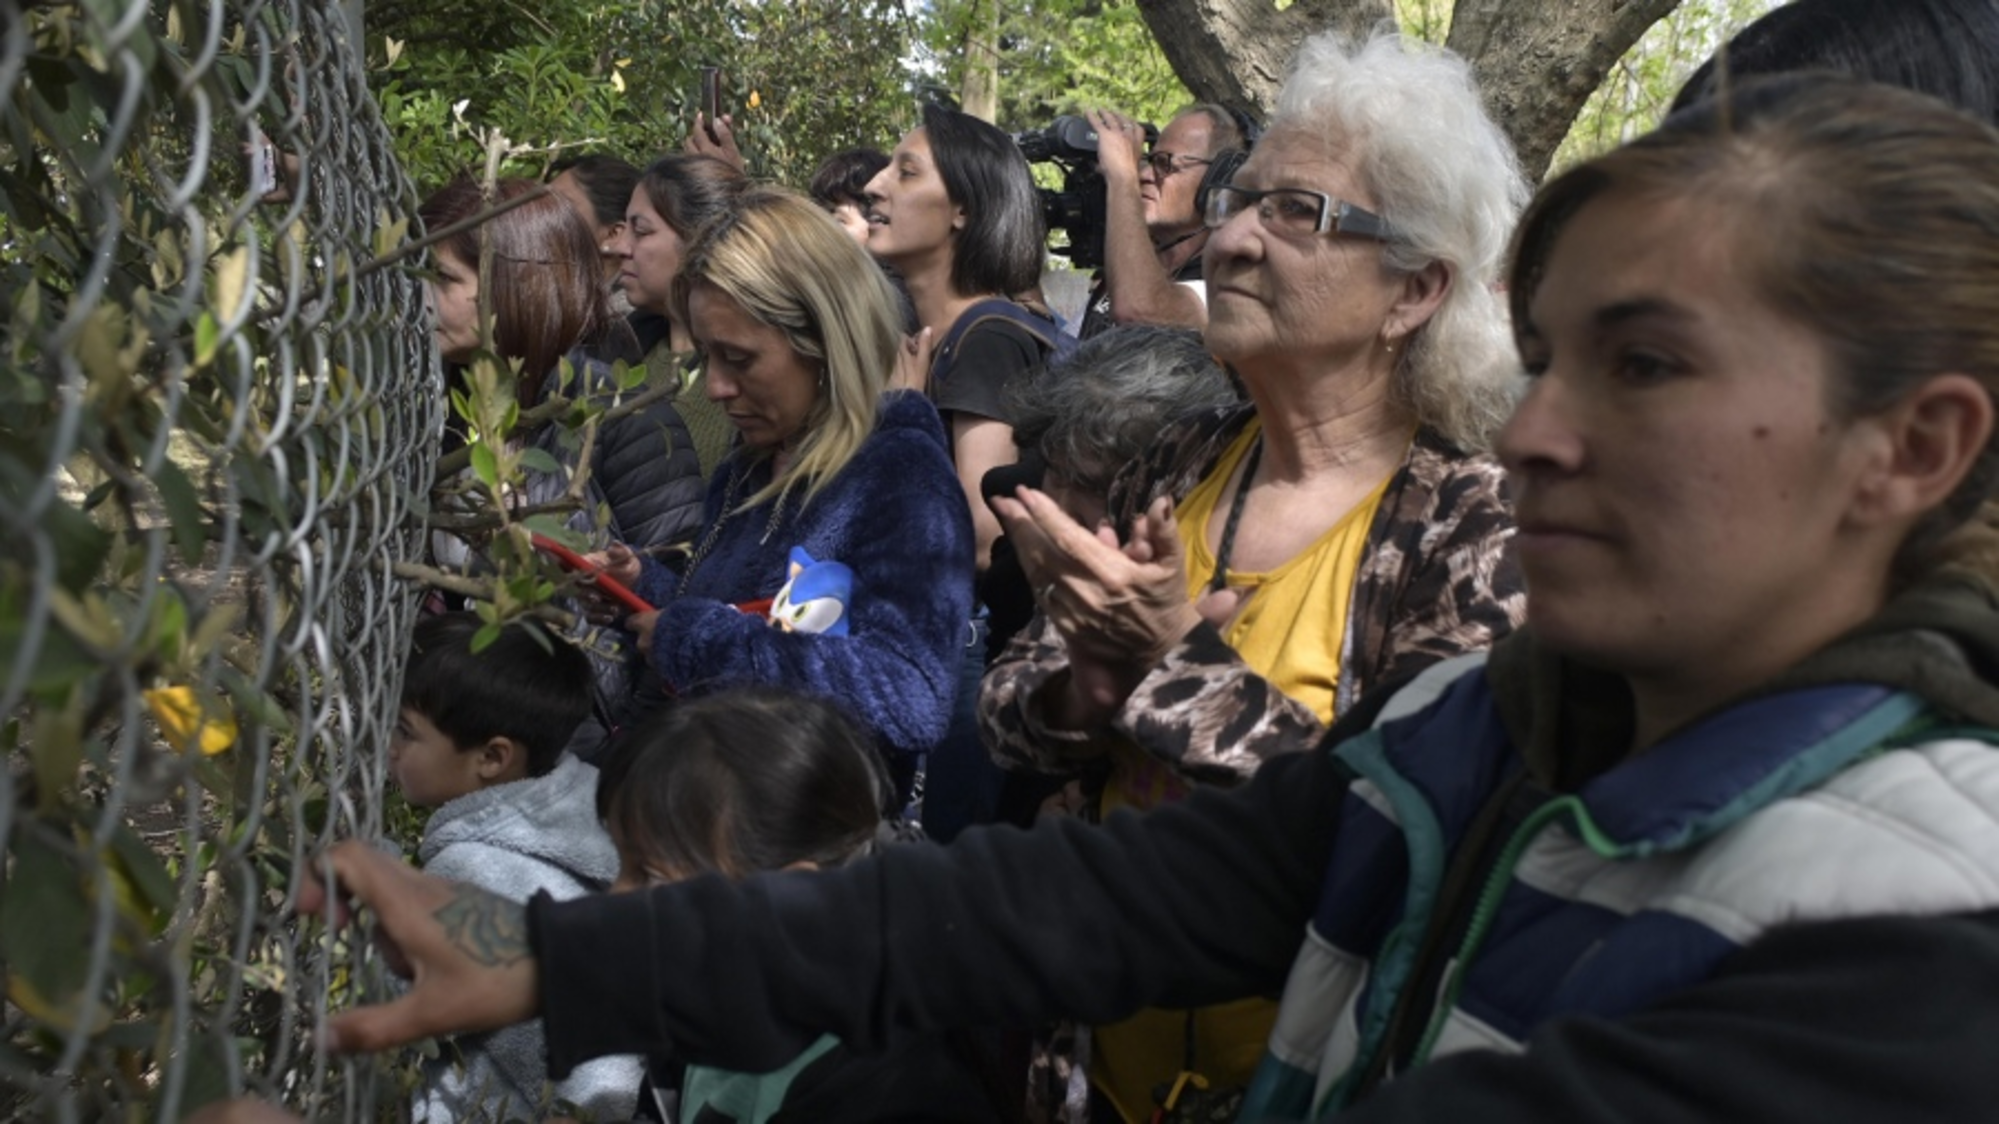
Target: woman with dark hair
956, 215
1943, 48
551, 313
1714, 836
599, 186
675, 197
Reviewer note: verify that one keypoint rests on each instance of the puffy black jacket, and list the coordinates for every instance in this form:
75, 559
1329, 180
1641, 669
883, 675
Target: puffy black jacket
644, 468
645, 473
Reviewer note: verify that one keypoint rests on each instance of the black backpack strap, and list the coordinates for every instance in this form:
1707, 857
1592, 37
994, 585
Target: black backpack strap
994, 308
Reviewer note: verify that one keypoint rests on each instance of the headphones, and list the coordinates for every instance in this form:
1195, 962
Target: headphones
1223, 165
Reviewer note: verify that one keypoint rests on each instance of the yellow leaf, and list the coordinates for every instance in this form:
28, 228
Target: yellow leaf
232, 270
190, 722
394, 48
618, 81
621, 63
755, 99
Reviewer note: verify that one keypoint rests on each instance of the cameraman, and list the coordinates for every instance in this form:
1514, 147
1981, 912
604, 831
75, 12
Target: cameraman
1153, 235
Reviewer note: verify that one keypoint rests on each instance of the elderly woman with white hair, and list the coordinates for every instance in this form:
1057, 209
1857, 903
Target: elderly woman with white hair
1342, 531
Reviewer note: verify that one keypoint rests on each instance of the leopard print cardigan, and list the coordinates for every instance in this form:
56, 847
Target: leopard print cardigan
1437, 579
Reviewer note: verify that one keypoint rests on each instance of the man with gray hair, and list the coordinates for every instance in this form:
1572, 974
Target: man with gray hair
1153, 234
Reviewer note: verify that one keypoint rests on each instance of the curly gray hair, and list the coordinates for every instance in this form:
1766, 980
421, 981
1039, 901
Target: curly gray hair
1100, 407
1448, 183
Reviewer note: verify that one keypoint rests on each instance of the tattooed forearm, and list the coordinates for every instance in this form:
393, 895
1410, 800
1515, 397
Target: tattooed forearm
491, 930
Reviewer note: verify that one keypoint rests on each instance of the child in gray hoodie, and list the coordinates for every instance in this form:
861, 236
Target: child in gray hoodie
480, 738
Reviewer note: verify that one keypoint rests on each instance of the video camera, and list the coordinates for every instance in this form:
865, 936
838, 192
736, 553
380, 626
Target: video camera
1077, 209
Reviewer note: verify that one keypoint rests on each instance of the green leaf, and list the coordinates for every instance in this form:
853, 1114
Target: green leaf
207, 336
551, 525
60, 661
630, 377
206, 1073
540, 460
485, 465
254, 706
183, 504
45, 926
131, 1036
168, 627
484, 638
215, 626
143, 871
57, 746
80, 545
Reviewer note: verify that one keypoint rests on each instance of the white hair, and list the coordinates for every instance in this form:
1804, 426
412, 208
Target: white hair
1445, 178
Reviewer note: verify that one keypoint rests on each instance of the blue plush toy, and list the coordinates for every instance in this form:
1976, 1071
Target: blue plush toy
816, 597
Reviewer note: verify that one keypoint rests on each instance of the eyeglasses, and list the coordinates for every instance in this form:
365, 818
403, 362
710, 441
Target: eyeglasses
1295, 212
1163, 163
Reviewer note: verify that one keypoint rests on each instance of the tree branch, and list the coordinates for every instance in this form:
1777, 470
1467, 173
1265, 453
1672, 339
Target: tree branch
477, 588
490, 520
1235, 51
553, 406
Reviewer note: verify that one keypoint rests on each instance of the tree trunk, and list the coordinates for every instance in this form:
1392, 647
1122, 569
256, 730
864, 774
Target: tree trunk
978, 93
1235, 51
1537, 61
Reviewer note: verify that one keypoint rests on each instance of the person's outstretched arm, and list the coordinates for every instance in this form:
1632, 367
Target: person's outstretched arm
1187, 905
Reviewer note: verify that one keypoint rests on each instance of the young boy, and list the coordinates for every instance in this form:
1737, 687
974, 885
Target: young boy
480, 739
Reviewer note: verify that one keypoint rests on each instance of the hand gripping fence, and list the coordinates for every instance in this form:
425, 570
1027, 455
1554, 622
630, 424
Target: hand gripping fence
219, 415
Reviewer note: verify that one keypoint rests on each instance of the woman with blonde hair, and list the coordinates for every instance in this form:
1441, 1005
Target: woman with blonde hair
798, 332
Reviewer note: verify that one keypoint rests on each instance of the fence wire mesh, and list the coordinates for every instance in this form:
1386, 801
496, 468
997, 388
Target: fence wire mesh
219, 412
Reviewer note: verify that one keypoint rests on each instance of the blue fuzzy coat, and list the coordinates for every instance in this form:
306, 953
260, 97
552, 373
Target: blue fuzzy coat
895, 515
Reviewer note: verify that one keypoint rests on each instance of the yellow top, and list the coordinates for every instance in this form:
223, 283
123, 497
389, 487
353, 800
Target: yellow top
1292, 626
1289, 631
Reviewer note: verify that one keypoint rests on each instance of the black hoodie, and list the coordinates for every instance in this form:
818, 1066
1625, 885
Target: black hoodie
1880, 1020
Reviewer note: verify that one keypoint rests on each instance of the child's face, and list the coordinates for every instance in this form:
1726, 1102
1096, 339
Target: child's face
853, 218
426, 765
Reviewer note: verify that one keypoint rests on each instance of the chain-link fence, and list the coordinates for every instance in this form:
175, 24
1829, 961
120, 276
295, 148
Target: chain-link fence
218, 417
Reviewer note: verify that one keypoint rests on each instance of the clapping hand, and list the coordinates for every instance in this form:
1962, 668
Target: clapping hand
1119, 608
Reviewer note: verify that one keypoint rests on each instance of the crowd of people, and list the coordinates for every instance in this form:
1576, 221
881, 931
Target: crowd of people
1456, 653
